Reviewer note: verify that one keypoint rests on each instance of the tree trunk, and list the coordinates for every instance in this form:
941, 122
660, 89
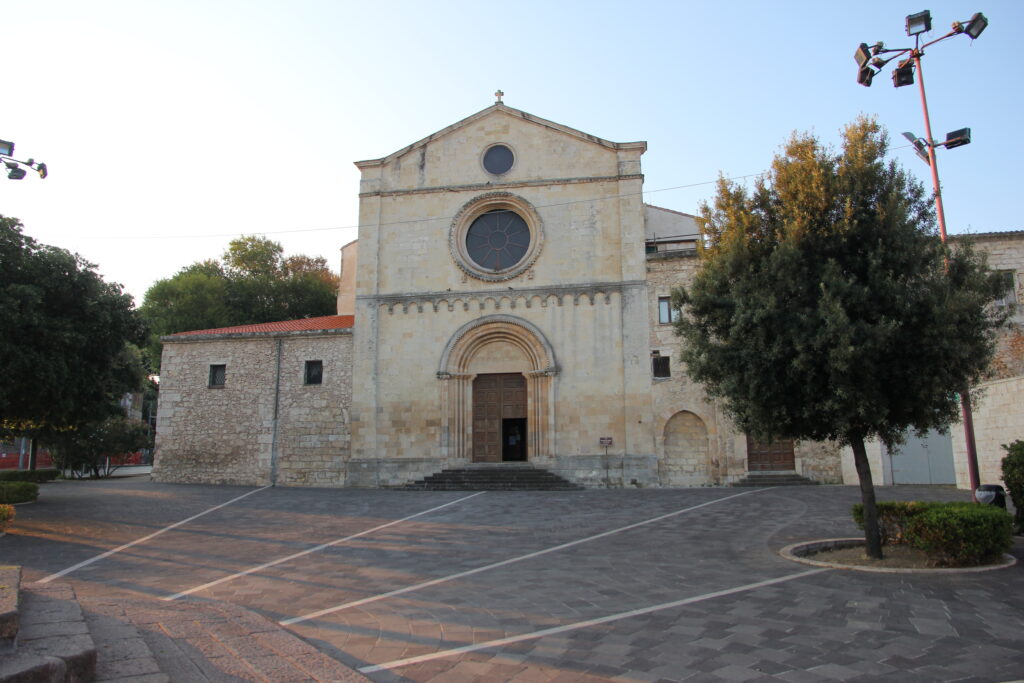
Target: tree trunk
32, 450
872, 537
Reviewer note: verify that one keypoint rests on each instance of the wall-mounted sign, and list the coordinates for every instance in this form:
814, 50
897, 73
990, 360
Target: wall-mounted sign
606, 441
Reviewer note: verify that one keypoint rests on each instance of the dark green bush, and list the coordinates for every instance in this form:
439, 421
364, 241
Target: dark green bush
961, 534
38, 476
18, 491
1013, 478
893, 517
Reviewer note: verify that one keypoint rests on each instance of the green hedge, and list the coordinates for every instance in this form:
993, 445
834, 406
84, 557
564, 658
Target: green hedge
893, 517
38, 476
962, 534
952, 534
18, 491
6, 516
1013, 477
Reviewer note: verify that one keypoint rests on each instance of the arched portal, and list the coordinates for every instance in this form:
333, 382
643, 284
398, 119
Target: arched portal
686, 450
496, 391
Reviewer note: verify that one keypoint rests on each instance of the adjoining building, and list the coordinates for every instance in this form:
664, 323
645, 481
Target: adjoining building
507, 300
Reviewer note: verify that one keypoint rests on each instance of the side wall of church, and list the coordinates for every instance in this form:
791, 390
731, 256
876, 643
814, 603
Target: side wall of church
697, 444
229, 434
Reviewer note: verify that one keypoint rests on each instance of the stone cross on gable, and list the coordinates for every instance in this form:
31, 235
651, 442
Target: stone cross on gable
499, 95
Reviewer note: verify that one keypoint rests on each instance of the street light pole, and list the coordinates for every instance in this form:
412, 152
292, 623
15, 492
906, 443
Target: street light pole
867, 57
973, 474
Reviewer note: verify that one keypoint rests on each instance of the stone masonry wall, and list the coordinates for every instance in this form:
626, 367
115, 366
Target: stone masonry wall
998, 420
228, 435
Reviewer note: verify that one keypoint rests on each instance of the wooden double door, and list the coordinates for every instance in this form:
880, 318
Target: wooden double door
499, 418
771, 456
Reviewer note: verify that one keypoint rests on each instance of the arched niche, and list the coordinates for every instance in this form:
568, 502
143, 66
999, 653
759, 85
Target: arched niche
687, 450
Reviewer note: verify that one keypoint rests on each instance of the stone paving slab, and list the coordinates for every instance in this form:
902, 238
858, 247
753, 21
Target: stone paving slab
834, 625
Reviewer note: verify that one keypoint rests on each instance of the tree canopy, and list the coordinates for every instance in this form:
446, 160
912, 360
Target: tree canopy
65, 342
828, 308
253, 282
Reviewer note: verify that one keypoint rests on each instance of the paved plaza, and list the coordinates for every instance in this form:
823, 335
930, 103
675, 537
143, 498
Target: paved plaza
624, 585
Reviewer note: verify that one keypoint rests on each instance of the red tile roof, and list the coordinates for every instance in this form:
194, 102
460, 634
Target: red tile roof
326, 322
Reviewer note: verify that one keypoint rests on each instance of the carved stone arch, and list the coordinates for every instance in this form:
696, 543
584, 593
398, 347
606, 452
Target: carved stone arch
536, 363
468, 339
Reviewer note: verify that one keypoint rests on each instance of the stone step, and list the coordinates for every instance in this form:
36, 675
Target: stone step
53, 640
10, 584
774, 479
122, 654
494, 477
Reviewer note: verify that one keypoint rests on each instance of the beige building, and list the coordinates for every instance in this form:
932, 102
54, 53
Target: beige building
506, 301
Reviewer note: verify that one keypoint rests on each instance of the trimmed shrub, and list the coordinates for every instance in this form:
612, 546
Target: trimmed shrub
893, 517
6, 516
961, 534
1013, 478
18, 491
38, 476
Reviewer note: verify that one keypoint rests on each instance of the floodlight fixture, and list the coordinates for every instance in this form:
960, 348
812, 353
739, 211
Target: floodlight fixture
862, 55
41, 169
865, 75
919, 23
920, 148
958, 138
903, 74
976, 25
6, 148
16, 173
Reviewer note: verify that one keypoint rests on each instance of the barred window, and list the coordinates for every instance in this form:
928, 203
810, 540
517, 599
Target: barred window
660, 366
218, 375
314, 372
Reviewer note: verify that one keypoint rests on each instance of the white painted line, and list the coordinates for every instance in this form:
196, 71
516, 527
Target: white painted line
118, 549
585, 624
495, 565
318, 548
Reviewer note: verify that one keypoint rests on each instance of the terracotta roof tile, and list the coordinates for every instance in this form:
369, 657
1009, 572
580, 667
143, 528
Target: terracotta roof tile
326, 322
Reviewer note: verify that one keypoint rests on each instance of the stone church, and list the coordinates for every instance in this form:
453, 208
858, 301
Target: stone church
507, 300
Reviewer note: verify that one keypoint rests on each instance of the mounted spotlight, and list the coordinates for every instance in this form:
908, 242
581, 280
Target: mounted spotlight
919, 23
6, 148
41, 168
16, 173
976, 25
862, 55
865, 75
903, 74
958, 138
919, 147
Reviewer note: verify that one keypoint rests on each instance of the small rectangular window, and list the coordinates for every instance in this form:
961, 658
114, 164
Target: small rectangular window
217, 375
1009, 297
666, 313
660, 366
314, 372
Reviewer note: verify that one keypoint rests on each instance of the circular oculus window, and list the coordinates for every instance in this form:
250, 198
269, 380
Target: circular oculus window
498, 240
498, 159
496, 237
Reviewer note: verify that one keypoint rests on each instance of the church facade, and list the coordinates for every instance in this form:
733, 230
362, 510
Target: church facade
507, 300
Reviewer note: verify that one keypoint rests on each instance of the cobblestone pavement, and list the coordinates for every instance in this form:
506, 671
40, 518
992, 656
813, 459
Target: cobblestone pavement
697, 593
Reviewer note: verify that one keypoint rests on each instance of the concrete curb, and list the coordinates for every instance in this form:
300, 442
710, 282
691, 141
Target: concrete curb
798, 552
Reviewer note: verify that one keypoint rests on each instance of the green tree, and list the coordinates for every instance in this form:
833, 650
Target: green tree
65, 342
827, 308
252, 283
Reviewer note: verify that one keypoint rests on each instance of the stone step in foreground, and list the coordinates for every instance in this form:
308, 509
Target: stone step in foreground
53, 643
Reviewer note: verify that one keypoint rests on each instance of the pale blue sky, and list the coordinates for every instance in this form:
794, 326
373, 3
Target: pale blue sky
171, 126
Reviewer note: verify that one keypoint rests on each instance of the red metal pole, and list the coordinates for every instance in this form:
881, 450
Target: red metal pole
973, 475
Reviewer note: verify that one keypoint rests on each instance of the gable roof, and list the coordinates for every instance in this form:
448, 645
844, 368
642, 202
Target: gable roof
325, 322
516, 113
